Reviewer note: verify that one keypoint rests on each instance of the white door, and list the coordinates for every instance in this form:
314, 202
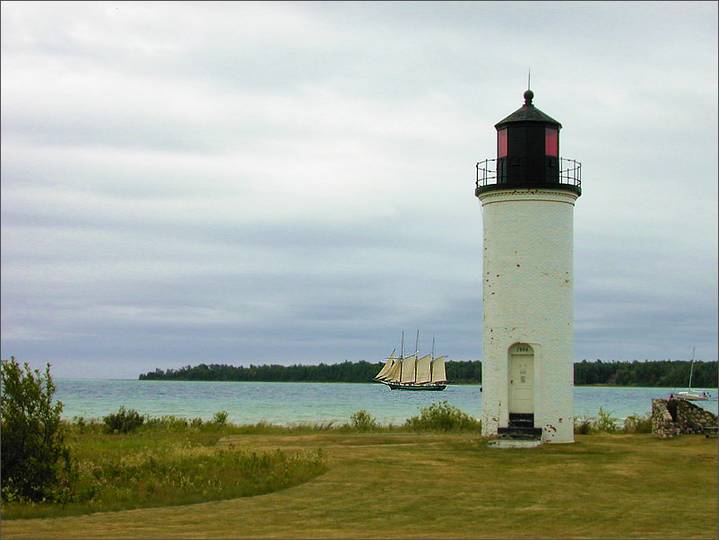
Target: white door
521, 379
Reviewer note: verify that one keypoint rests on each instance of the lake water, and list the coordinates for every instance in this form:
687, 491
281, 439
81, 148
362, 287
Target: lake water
289, 403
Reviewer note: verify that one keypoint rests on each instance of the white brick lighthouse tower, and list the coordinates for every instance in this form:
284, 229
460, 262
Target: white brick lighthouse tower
528, 195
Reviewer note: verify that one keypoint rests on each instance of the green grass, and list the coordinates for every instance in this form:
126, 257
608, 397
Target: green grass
395, 483
168, 462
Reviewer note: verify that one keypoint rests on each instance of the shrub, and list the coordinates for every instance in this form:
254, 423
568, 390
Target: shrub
80, 423
442, 417
363, 421
220, 418
605, 422
36, 464
582, 426
638, 424
123, 421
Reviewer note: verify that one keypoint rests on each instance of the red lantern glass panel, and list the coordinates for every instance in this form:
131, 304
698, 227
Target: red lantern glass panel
502, 143
550, 142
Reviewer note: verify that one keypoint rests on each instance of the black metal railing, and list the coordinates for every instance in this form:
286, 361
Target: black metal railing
486, 172
570, 172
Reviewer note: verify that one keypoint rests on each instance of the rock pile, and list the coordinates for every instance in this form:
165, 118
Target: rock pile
672, 417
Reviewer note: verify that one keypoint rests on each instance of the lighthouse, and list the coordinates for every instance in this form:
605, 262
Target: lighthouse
527, 196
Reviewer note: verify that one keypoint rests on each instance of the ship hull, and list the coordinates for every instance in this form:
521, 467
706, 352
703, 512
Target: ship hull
691, 396
418, 387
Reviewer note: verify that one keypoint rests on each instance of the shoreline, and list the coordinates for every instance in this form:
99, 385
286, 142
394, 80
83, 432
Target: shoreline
596, 385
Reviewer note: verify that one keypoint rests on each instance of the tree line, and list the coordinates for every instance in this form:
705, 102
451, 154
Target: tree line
647, 373
654, 373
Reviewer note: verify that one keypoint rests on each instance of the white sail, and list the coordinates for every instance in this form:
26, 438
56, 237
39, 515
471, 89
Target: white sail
424, 372
438, 372
394, 371
408, 364
382, 375
387, 367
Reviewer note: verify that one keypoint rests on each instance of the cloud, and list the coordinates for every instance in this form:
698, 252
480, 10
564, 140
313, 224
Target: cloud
286, 182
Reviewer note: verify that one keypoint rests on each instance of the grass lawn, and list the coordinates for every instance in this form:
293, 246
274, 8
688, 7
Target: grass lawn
419, 485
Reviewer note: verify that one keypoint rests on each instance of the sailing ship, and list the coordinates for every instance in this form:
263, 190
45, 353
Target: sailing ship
413, 372
689, 394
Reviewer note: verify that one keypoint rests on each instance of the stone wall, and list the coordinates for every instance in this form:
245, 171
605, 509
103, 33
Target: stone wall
672, 417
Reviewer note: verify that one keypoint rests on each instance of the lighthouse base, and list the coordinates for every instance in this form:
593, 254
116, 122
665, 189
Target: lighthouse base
509, 443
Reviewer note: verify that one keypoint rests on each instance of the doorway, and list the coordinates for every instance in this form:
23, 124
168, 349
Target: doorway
521, 379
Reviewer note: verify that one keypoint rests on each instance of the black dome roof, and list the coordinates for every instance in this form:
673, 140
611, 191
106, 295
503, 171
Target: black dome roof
527, 113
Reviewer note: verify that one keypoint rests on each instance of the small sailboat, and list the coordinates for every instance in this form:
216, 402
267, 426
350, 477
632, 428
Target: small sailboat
689, 394
412, 373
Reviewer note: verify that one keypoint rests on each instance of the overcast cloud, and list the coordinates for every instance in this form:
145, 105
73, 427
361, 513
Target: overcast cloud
286, 182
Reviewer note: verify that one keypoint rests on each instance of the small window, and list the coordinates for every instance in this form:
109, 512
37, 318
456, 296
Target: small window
502, 143
550, 142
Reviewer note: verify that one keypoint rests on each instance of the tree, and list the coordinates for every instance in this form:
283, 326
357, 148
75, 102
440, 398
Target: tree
36, 464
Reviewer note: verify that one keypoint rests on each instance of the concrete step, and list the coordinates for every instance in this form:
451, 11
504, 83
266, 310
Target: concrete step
514, 443
514, 431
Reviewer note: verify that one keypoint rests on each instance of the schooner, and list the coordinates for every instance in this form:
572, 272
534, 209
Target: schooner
413, 372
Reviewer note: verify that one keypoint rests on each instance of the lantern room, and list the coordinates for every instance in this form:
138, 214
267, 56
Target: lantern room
528, 154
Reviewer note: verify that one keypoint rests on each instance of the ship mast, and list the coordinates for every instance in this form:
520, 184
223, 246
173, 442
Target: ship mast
691, 369
416, 355
431, 364
401, 357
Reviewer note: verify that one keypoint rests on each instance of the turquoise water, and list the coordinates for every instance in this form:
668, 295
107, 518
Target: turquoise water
290, 403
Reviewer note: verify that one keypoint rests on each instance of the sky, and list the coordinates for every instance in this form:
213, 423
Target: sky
251, 183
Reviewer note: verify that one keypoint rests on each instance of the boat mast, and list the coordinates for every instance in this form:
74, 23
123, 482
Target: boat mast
691, 369
431, 363
416, 355
401, 357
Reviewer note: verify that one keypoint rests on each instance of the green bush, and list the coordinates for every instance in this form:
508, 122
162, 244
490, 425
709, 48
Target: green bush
220, 418
605, 422
36, 464
80, 423
638, 424
582, 426
442, 417
123, 421
363, 421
